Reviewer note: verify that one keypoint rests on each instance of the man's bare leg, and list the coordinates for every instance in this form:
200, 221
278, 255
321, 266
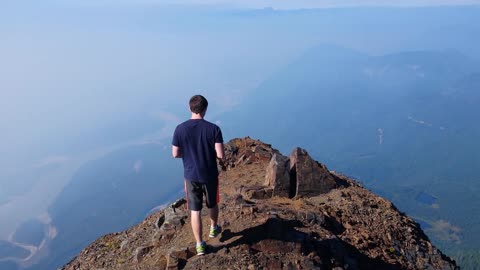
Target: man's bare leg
197, 225
213, 215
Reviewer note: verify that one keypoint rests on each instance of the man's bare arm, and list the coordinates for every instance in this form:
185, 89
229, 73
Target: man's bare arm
220, 155
176, 152
219, 150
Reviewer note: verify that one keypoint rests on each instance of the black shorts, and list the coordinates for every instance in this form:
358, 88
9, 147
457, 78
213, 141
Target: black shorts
195, 191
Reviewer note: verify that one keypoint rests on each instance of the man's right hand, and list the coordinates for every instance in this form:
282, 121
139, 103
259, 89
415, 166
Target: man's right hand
221, 162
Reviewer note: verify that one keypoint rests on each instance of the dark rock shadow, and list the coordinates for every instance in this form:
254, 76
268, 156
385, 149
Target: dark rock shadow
340, 253
273, 228
332, 224
331, 252
340, 182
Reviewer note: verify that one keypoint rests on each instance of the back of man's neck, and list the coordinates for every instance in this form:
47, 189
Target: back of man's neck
196, 116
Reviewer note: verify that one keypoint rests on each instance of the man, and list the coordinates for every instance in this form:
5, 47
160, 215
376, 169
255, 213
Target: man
200, 143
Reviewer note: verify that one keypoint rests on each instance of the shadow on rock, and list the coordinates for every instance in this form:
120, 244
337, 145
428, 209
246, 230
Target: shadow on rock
277, 235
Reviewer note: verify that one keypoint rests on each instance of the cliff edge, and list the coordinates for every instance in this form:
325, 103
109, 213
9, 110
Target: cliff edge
277, 212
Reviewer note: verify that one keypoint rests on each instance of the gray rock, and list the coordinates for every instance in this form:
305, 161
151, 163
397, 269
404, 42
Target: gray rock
140, 252
309, 177
278, 175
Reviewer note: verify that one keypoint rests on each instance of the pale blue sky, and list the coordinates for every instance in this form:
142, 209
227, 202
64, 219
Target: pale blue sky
288, 4
277, 4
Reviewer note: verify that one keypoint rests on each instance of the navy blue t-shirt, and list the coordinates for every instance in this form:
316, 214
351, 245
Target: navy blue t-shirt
196, 139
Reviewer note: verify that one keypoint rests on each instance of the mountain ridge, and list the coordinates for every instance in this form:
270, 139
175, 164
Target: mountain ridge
277, 212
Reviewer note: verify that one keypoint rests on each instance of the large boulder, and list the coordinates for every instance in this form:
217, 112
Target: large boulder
278, 175
308, 177
168, 224
298, 175
244, 151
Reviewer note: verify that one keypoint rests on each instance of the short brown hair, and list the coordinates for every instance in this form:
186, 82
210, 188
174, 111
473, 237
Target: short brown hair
198, 104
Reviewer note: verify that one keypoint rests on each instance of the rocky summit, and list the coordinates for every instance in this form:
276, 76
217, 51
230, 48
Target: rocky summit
277, 212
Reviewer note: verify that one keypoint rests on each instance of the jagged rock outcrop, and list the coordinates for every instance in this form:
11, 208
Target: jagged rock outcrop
173, 218
298, 175
333, 225
307, 176
278, 175
244, 151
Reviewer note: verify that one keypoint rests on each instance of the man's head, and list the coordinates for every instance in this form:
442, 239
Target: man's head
198, 104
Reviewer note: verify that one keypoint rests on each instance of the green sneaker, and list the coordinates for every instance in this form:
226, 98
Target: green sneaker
202, 248
214, 231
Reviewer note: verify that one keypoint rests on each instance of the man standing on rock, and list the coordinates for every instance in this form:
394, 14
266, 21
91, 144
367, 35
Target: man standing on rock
200, 143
